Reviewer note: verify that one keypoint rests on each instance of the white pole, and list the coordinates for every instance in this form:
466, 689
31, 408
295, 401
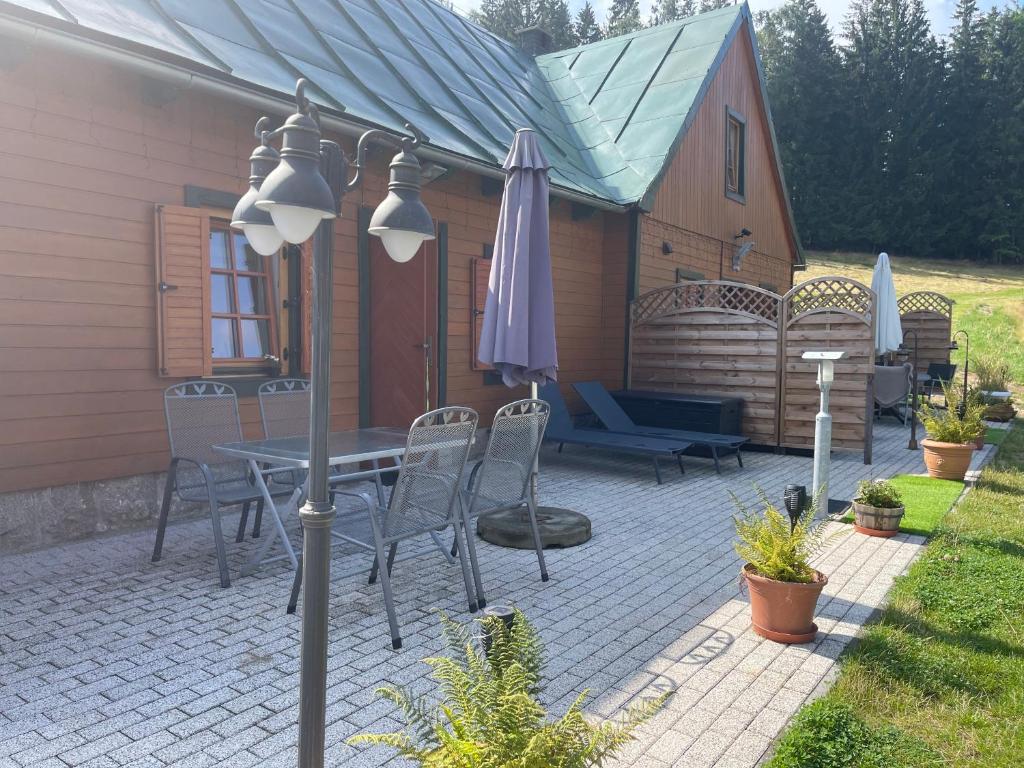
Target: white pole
822, 444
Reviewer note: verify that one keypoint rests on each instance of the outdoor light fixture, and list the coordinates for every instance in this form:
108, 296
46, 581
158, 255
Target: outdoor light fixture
962, 408
795, 497
912, 445
823, 424
742, 233
292, 195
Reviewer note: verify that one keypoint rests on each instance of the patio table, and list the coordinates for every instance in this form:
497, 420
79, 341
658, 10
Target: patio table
348, 447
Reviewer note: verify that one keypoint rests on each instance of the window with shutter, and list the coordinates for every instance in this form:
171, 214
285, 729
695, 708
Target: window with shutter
480, 271
735, 156
219, 306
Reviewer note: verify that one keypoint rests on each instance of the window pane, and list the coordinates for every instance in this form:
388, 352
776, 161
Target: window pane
255, 338
221, 299
252, 296
219, 249
223, 338
246, 259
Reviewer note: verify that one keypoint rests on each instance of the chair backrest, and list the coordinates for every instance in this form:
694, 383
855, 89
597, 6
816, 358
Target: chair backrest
604, 406
942, 371
284, 407
559, 419
892, 383
201, 414
425, 491
516, 435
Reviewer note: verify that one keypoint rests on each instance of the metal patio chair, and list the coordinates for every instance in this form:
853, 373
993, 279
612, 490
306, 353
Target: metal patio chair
284, 411
939, 375
892, 385
424, 500
500, 481
201, 414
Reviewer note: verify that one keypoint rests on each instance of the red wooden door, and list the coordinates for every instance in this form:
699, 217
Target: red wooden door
403, 335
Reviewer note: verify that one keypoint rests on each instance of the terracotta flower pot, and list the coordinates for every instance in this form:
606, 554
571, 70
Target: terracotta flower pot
948, 461
783, 611
876, 521
979, 442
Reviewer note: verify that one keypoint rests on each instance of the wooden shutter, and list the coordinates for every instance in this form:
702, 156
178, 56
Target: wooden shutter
183, 292
479, 273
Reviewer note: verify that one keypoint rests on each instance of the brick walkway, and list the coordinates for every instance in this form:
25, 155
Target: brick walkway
109, 660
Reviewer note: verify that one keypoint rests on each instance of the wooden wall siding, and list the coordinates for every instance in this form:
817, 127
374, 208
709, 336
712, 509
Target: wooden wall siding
83, 162
705, 255
692, 193
713, 337
930, 316
829, 313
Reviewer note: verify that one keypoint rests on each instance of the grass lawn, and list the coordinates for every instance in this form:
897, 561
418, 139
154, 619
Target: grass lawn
989, 300
939, 679
995, 436
925, 499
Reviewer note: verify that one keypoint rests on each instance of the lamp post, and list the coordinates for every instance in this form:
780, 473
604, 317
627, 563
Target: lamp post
823, 424
294, 193
961, 409
912, 445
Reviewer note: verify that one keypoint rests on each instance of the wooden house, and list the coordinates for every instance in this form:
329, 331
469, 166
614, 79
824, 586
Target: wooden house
126, 132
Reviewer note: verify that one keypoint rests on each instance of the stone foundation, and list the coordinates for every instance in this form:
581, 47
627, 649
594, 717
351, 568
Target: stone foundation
49, 516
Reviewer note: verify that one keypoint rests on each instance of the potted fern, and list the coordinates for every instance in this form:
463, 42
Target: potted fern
488, 713
952, 435
877, 508
783, 587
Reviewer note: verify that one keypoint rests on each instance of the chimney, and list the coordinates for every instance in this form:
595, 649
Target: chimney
534, 40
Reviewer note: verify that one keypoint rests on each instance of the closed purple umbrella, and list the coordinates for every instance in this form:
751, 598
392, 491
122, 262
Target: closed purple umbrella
518, 335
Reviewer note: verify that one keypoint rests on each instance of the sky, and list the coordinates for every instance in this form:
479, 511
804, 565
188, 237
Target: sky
940, 12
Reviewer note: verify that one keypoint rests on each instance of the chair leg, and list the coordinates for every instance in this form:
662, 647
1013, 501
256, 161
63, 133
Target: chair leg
218, 541
714, 455
165, 509
679, 461
373, 571
296, 584
467, 529
391, 556
458, 527
259, 519
389, 600
537, 543
240, 536
657, 470
739, 458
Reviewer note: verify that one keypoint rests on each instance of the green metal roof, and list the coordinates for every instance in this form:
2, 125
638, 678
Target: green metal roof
609, 115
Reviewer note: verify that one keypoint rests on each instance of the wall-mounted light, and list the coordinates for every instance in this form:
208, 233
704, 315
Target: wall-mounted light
741, 252
742, 233
666, 247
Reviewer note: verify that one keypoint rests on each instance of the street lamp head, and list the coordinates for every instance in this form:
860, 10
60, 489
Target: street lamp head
255, 222
402, 221
295, 193
825, 360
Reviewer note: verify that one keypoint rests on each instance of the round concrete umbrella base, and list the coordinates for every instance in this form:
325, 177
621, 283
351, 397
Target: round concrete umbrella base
558, 528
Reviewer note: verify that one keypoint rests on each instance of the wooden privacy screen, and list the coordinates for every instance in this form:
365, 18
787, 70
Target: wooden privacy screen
732, 339
711, 337
930, 316
828, 313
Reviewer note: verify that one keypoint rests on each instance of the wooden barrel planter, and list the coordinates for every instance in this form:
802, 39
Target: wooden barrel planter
1000, 412
877, 521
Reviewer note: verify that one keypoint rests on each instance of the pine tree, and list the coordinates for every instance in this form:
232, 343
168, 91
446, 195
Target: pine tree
804, 78
665, 11
553, 16
586, 27
504, 17
713, 5
623, 18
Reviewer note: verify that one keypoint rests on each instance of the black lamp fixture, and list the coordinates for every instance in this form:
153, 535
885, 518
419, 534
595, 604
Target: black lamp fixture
795, 497
742, 233
961, 409
904, 351
292, 195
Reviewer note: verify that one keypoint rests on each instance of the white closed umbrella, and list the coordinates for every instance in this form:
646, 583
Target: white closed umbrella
888, 330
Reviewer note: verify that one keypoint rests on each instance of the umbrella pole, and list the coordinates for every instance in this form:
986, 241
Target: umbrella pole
536, 456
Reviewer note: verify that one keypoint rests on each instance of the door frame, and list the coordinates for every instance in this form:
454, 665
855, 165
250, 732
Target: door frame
441, 344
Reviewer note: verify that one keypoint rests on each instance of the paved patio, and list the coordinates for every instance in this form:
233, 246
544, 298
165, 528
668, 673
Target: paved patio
108, 660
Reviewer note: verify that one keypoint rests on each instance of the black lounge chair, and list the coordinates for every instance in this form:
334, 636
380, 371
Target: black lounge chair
615, 419
561, 430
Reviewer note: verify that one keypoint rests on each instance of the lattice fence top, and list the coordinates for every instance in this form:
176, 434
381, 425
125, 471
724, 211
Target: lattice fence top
926, 301
738, 298
830, 293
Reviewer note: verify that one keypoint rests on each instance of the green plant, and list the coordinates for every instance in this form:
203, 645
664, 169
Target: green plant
775, 548
993, 373
879, 493
488, 715
946, 425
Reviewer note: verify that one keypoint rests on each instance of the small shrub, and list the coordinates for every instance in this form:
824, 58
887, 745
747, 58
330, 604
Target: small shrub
946, 425
879, 493
774, 548
993, 373
488, 713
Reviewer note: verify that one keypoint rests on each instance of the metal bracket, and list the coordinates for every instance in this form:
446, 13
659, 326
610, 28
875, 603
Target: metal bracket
165, 287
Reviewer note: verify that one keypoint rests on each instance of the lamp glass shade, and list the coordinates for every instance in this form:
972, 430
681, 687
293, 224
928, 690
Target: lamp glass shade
400, 244
402, 223
264, 238
826, 372
296, 223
